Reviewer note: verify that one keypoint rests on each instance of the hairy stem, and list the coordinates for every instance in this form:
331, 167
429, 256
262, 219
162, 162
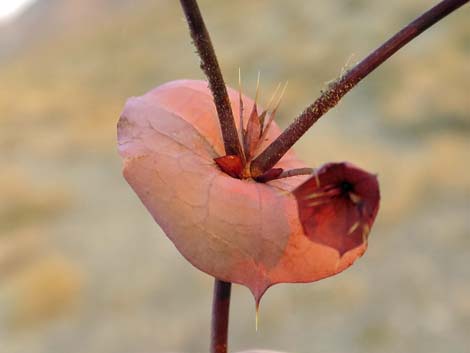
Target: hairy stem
220, 316
329, 98
210, 66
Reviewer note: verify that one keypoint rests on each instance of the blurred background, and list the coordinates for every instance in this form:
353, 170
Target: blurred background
84, 268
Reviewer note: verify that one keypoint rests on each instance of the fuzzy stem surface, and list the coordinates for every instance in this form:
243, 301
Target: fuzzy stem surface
330, 97
210, 66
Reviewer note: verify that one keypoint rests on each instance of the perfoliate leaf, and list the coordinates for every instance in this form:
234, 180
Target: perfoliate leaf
238, 230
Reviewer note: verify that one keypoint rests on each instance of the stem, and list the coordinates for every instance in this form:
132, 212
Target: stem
210, 66
220, 316
329, 98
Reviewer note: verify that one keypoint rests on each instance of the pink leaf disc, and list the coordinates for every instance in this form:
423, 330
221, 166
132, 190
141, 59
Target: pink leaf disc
237, 230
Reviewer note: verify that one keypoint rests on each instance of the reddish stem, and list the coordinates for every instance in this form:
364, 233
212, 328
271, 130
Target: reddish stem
210, 66
274, 152
220, 316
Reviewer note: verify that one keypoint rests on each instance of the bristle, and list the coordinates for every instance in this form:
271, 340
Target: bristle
281, 96
273, 112
257, 88
365, 233
315, 195
317, 179
295, 172
353, 228
355, 198
257, 317
272, 97
344, 69
318, 203
276, 106
261, 121
240, 97
240, 101
268, 108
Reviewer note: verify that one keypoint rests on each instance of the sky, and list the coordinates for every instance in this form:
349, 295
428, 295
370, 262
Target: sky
10, 8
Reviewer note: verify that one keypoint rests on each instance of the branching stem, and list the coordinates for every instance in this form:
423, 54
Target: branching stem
269, 157
329, 98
